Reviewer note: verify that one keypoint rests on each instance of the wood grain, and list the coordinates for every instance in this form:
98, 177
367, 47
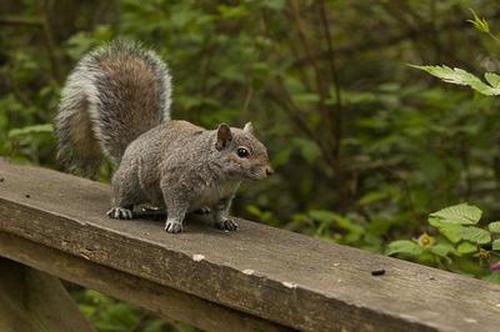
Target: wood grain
272, 274
32, 301
166, 302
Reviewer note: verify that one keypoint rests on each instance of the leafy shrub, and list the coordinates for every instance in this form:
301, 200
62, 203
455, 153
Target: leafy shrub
458, 239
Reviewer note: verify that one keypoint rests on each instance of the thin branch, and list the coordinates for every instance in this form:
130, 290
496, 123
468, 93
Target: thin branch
11, 20
391, 40
20, 95
338, 115
49, 40
248, 97
280, 95
320, 84
269, 33
435, 34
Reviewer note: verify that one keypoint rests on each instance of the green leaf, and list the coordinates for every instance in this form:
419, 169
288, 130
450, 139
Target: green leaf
254, 210
404, 247
479, 23
438, 222
461, 214
476, 235
461, 77
323, 216
451, 231
274, 4
372, 197
494, 227
493, 79
309, 149
496, 245
306, 98
466, 247
454, 233
29, 130
347, 224
442, 250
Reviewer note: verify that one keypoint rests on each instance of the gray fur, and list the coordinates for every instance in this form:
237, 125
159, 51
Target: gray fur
178, 165
98, 109
169, 164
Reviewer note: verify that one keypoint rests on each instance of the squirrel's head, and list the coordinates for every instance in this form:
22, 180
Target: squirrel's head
243, 155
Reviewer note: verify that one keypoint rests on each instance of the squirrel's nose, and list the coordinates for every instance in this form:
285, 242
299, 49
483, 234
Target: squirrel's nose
269, 171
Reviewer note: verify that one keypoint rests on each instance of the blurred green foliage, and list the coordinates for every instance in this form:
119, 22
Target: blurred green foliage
109, 315
364, 146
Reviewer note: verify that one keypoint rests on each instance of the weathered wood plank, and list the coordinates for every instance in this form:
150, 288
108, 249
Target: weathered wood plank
270, 273
32, 301
166, 302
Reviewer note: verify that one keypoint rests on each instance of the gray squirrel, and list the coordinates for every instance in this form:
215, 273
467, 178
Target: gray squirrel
116, 104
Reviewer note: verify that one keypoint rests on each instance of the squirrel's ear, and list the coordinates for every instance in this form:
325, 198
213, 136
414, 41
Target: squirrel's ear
224, 136
248, 128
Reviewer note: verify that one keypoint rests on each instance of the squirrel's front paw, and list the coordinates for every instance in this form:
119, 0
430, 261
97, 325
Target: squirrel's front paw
120, 213
227, 224
173, 226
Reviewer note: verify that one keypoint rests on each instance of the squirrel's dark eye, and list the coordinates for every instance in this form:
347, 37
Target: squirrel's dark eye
243, 153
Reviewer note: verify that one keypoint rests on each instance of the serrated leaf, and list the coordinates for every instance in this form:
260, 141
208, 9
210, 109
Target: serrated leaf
496, 245
493, 79
476, 235
494, 227
404, 247
460, 77
461, 214
466, 247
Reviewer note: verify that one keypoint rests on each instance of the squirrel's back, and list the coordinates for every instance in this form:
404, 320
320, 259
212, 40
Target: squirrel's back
113, 95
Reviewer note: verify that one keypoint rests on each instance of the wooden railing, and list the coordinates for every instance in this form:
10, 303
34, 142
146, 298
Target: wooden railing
258, 278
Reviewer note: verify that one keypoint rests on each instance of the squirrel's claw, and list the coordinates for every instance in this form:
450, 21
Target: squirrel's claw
227, 224
173, 227
119, 213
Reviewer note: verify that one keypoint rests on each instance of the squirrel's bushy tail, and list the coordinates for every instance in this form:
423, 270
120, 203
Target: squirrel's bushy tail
113, 95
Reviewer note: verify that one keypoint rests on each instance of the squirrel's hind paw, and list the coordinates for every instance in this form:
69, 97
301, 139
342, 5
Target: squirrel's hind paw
119, 213
227, 224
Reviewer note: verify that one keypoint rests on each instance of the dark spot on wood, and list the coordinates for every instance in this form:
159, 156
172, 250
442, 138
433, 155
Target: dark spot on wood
27, 195
2, 179
378, 272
